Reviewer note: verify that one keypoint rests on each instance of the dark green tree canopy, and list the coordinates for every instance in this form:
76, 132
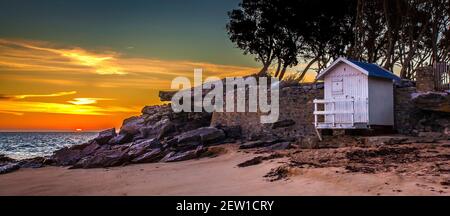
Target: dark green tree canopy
403, 33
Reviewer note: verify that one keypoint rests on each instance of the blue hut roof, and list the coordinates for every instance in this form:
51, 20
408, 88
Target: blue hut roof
371, 70
375, 70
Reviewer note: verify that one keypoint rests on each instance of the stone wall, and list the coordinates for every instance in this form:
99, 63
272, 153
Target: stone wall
412, 119
296, 115
404, 109
295, 120
425, 79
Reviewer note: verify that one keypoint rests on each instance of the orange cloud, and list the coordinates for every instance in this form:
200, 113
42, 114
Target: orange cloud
58, 94
19, 107
68, 58
85, 101
95, 76
23, 55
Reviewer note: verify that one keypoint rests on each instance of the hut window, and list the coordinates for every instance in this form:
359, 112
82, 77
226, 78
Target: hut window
337, 86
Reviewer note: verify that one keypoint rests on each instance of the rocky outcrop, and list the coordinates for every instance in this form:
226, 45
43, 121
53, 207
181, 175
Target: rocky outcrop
200, 136
184, 155
8, 167
157, 135
161, 135
9, 164
432, 101
418, 113
104, 136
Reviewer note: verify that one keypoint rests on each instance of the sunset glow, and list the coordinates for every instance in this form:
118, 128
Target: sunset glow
92, 84
85, 73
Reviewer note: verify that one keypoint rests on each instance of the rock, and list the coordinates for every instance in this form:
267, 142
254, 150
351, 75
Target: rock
234, 132
154, 155
36, 162
404, 83
280, 146
259, 159
432, 101
66, 156
283, 123
386, 140
310, 142
104, 136
430, 134
9, 167
181, 156
149, 110
90, 149
120, 139
142, 146
166, 95
106, 158
204, 135
132, 125
252, 144
157, 130
5, 159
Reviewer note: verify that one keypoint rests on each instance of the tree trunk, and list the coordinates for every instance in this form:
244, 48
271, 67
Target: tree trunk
278, 68
263, 71
390, 47
283, 71
302, 76
309, 65
412, 51
356, 51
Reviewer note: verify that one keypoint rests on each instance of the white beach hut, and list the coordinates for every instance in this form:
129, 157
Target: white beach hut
356, 95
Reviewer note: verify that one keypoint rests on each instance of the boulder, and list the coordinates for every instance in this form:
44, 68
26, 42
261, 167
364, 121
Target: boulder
66, 156
5, 159
234, 132
36, 162
252, 144
166, 95
149, 110
280, 146
181, 156
132, 125
142, 146
9, 167
106, 158
202, 135
431, 134
432, 101
90, 149
120, 139
154, 155
405, 83
283, 123
104, 136
157, 130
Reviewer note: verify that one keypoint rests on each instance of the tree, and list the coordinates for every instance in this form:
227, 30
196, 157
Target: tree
393, 33
252, 32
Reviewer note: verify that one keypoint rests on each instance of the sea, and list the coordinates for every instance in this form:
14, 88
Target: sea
21, 145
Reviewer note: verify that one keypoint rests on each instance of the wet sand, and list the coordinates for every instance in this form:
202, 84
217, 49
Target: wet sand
210, 176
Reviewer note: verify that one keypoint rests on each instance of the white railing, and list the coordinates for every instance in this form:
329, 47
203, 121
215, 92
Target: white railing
348, 107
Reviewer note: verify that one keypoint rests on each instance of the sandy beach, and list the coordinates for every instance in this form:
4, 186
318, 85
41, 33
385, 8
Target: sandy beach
210, 176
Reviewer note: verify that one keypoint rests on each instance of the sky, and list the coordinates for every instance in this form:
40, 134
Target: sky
67, 65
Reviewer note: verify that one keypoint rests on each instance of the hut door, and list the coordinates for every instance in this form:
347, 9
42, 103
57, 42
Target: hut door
337, 87
338, 93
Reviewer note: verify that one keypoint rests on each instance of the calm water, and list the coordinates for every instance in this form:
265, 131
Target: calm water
21, 145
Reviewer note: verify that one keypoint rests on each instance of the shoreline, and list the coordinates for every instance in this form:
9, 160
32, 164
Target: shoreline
210, 176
